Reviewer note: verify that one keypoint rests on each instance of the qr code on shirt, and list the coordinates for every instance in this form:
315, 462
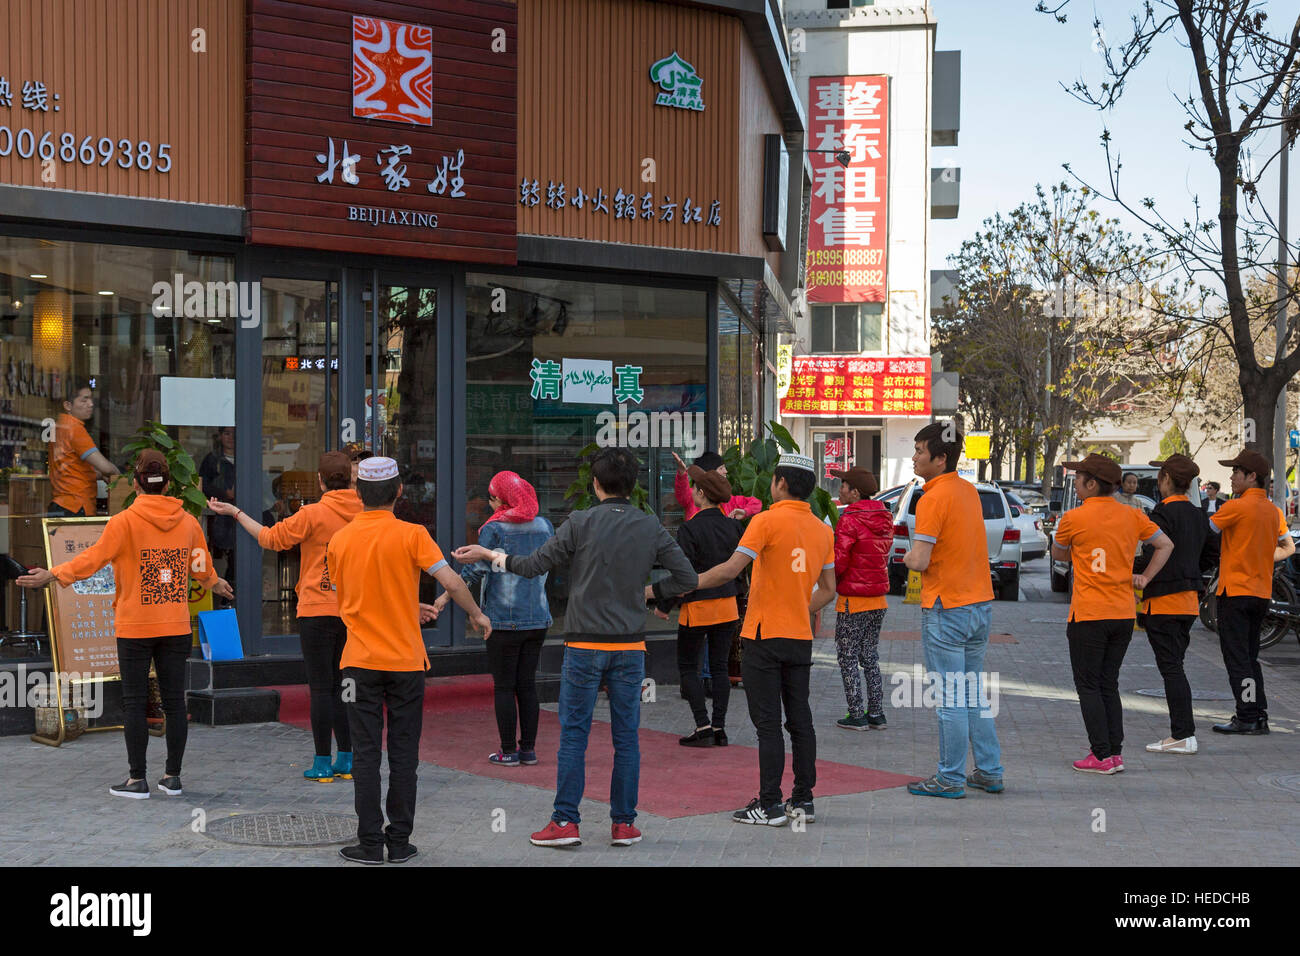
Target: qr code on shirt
164, 575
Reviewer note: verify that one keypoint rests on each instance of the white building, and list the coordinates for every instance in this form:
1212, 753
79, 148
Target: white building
884, 57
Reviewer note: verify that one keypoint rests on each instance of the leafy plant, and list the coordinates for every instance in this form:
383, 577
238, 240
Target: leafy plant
750, 473
185, 475
581, 489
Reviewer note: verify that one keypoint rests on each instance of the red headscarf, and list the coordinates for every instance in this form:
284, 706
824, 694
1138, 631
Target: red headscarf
519, 496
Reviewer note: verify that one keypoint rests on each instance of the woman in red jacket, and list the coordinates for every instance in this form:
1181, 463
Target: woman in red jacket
863, 537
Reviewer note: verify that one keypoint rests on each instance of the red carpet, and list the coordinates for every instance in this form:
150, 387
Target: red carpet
676, 781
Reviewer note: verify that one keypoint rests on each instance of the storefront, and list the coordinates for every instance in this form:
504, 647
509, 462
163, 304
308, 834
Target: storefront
413, 231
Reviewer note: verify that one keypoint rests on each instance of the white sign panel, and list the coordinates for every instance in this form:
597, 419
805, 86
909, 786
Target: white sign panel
588, 382
198, 401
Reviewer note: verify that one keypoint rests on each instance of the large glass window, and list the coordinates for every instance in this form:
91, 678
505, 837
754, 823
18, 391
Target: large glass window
554, 365
299, 392
87, 314
730, 368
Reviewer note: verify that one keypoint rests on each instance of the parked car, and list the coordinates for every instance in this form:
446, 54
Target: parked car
1001, 534
889, 497
1147, 495
1033, 540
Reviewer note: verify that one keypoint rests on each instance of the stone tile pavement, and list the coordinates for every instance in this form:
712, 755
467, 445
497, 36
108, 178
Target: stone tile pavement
1163, 811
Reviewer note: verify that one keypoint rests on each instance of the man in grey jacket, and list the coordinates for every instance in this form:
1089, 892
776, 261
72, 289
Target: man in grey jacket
609, 550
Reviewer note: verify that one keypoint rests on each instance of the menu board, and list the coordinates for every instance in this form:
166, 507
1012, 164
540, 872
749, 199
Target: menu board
886, 387
81, 615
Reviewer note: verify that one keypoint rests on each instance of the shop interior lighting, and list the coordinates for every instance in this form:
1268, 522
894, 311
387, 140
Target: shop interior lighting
38, 275
106, 292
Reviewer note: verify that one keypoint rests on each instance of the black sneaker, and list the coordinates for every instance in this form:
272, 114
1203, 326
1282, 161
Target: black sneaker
170, 785
719, 738
700, 738
793, 809
755, 815
132, 791
876, 721
400, 854
362, 854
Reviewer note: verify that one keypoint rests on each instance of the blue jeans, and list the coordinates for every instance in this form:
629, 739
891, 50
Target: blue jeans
954, 643
580, 681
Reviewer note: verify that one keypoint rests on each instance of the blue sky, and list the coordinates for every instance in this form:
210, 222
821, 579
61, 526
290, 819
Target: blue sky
1018, 125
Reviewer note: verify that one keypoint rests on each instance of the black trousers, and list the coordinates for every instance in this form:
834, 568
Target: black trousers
1240, 620
1169, 635
512, 658
402, 693
775, 671
322, 641
690, 641
1096, 652
168, 655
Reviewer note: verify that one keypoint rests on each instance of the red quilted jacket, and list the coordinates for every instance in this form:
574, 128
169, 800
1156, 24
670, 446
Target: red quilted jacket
863, 538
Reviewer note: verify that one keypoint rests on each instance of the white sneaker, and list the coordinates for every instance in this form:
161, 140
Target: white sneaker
1187, 746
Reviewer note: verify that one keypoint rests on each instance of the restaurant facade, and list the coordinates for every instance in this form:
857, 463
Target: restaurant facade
472, 236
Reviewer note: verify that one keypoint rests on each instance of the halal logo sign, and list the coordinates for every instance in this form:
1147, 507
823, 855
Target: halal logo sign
679, 83
392, 71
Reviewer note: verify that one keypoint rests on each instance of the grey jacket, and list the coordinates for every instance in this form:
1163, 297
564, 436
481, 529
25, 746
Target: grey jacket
610, 549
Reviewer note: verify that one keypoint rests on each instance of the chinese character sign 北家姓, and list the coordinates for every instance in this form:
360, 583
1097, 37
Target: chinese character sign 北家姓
848, 119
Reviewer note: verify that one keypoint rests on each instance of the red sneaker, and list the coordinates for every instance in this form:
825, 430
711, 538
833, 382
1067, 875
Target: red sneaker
1091, 764
624, 834
1117, 762
557, 834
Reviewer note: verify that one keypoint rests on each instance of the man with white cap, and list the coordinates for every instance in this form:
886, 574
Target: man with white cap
375, 564
792, 551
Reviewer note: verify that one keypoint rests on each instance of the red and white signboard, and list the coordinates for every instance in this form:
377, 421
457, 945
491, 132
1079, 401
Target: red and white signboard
392, 71
858, 387
847, 227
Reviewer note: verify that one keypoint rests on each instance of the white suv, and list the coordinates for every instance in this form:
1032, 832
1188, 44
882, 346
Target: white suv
1001, 534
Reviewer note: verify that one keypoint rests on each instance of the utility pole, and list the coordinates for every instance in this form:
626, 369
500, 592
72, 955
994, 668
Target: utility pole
1280, 424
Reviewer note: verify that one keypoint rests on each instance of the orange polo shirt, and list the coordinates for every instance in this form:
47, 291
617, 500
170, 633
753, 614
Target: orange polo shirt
313, 526
73, 482
950, 517
375, 563
709, 611
853, 604
790, 547
1102, 535
1251, 527
1180, 603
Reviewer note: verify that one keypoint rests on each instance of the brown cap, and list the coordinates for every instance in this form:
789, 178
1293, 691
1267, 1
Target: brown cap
861, 480
151, 470
356, 451
335, 464
1249, 461
1180, 468
716, 488
1099, 466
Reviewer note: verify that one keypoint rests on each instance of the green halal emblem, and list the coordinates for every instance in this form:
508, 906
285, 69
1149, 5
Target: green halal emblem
679, 82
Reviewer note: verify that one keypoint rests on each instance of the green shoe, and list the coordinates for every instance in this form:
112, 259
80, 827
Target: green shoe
853, 723
343, 765
320, 771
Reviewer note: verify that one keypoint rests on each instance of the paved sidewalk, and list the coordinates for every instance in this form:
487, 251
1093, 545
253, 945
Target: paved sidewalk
1163, 811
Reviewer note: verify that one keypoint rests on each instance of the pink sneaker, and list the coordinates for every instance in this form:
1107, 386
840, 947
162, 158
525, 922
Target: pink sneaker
1117, 762
1090, 764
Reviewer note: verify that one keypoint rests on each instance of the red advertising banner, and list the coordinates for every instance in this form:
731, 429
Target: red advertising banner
846, 225
858, 387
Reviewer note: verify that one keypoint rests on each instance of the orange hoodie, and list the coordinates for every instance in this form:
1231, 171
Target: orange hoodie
312, 526
155, 547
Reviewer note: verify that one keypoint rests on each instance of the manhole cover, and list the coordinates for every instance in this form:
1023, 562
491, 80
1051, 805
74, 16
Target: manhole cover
1196, 694
309, 828
1290, 782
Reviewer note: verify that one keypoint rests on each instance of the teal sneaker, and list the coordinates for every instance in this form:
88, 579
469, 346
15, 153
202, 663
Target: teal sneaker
853, 723
985, 781
343, 765
320, 771
934, 787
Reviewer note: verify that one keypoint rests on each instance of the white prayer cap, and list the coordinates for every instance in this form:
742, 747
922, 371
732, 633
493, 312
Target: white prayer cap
376, 469
796, 461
